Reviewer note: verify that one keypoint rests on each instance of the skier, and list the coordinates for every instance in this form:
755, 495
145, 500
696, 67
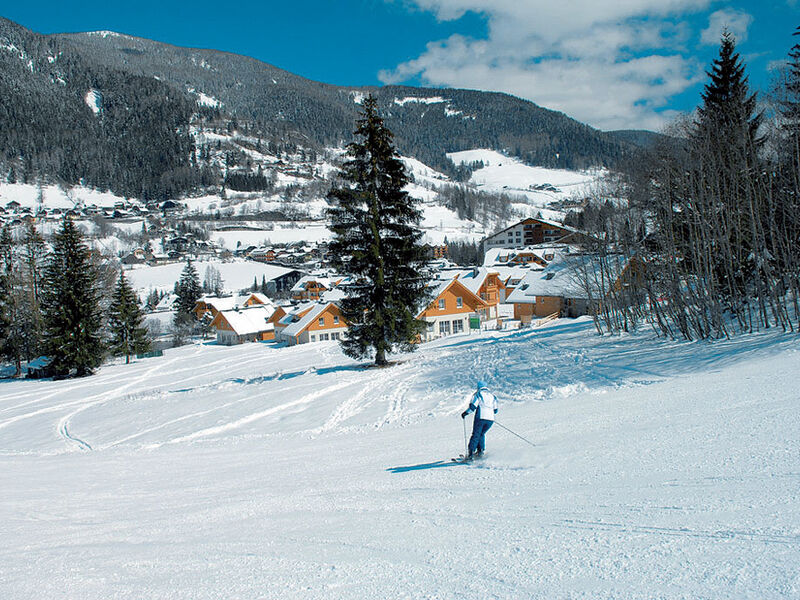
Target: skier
485, 403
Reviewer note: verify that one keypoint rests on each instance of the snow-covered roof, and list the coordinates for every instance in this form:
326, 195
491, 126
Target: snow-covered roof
223, 303
334, 295
294, 313
301, 283
500, 256
297, 328
252, 319
262, 298
166, 302
568, 276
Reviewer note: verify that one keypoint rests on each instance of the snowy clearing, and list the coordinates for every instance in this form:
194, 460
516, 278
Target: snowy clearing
541, 186
236, 274
661, 470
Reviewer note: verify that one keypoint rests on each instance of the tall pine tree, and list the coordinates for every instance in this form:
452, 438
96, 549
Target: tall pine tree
377, 243
125, 318
725, 148
71, 305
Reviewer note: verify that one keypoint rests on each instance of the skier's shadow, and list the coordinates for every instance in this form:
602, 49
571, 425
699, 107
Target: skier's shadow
421, 467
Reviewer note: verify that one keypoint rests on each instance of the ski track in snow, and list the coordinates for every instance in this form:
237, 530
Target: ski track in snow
661, 470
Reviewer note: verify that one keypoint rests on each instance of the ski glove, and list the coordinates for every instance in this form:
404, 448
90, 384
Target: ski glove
464, 414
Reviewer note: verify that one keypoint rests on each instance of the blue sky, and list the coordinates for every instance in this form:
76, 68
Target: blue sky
617, 64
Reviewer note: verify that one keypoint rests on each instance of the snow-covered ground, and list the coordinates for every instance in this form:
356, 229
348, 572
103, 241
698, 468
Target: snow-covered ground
237, 274
660, 470
539, 185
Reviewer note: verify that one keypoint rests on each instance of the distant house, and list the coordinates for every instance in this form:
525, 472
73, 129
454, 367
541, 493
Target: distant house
285, 282
530, 232
488, 286
320, 323
571, 286
311, 287
262, 255
449, 312
240, 325
170, 206
216, 304
539, 255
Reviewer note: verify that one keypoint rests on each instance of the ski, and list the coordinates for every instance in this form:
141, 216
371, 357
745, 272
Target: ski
461, 458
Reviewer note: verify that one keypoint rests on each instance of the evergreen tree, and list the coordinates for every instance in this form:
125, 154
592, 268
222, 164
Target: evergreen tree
71, 305
724, 148
189, 291
12, 335
125, 322
377, 242
263, 284
33, 258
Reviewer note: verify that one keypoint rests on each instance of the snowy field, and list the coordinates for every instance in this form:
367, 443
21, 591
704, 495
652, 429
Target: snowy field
509, 175
661, 470
237, 274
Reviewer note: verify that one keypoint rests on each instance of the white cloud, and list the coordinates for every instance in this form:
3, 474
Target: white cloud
610, 64
735, 21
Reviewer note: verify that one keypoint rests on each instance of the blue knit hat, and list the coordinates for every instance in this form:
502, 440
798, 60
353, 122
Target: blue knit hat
482, 385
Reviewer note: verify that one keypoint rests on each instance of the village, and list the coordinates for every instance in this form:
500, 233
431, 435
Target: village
522, 282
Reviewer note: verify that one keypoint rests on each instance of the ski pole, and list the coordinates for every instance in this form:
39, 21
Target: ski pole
516, 434
466, 446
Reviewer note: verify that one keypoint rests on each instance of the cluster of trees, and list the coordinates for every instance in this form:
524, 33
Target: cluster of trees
463, 252
137, 144
709, 243
474, 205
56, 303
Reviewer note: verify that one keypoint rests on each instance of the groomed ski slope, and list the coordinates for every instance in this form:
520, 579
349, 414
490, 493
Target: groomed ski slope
661, 470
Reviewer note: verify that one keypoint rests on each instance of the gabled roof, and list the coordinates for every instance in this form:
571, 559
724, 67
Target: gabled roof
439, 287
539, 220
475, 278
296, 313
326, 282
296, 329
568, 276
248, 320
223, 303
262, 298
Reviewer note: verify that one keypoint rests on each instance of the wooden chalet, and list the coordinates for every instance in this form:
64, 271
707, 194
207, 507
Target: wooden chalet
449, 312
240, 325
320, 322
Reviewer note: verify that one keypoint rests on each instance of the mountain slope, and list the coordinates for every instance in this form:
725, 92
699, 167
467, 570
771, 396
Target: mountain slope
427, 121
116, 112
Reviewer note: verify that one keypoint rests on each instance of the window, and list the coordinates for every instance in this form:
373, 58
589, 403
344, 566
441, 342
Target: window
483, 295
313, 338
444, 327
334, 336
322, 321
459, 302
323, 337
335, 319
458, 326
441, 303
